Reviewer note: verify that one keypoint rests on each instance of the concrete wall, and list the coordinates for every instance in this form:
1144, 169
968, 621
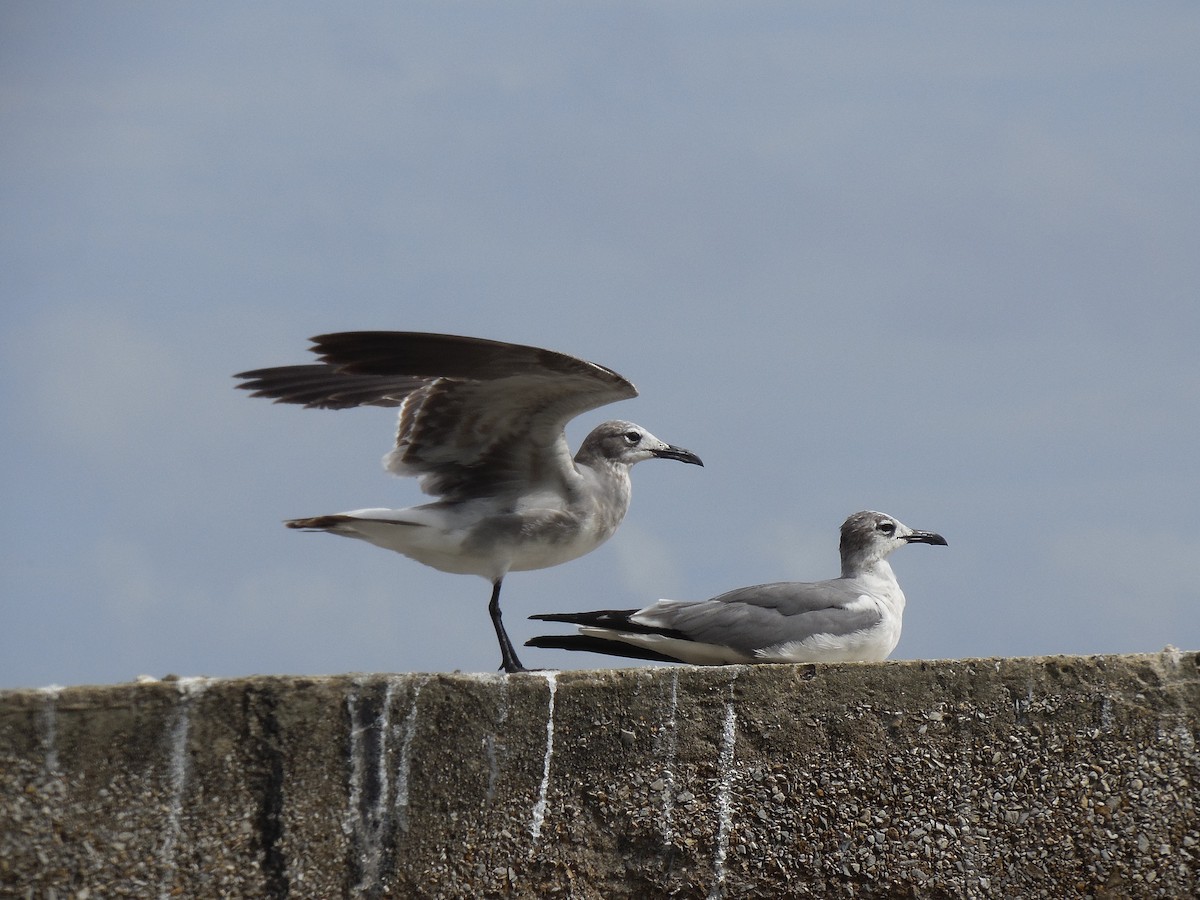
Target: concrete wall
1053, 777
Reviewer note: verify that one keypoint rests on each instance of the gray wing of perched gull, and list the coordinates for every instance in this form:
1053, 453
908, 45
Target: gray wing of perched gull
481, 426
855, 617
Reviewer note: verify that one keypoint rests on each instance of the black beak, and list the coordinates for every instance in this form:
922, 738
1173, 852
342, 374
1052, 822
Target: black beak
687, 456
926, 537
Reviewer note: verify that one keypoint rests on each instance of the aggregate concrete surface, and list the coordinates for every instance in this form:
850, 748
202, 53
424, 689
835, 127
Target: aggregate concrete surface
1045, 777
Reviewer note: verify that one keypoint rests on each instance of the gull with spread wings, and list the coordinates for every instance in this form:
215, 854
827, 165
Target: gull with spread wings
481, 428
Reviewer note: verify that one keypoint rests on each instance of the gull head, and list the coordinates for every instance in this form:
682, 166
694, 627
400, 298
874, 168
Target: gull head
625, 443
869, 536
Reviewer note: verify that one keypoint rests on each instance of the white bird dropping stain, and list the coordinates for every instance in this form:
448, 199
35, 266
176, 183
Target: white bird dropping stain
409, 730
49, 726
489, 748
1106, 713
384, 723
724, 800
493, 747
353, 817
539, 808
369, 820
177, 775
671, 738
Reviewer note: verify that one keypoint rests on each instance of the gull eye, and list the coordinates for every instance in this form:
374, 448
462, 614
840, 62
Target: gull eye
888, 528
632, 437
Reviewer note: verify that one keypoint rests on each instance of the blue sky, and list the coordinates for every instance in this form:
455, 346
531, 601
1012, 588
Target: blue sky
937, 260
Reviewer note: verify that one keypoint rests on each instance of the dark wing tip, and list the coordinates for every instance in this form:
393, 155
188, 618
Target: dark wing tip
597, 645
316, 386
317, 523
555, 617
601, 618
451, 355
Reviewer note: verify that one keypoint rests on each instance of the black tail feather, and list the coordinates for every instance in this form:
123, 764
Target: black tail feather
602, 618
595, 645
615, 619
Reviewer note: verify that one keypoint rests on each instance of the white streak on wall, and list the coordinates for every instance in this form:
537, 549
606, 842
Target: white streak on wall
177, 776
539, 808
49, 723
409, 730
724, 800
671, 738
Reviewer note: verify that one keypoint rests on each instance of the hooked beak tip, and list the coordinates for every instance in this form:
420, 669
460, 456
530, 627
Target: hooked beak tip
927, 537
678, 453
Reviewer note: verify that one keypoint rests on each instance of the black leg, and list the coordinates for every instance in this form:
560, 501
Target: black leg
508, 656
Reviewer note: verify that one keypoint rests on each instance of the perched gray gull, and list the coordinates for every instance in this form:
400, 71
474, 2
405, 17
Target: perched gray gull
481, 428
852, 618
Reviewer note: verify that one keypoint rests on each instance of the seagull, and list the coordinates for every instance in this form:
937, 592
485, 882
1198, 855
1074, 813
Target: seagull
481, 428
852, 618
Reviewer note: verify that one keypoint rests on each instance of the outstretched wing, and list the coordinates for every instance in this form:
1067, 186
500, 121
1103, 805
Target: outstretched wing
475, 415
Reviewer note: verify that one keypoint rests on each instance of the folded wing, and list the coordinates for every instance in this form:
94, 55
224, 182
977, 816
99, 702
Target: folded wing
745, 623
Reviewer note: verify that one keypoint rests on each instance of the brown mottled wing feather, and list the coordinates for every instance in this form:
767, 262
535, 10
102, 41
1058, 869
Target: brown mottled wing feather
476, 415
325, 387
448, 356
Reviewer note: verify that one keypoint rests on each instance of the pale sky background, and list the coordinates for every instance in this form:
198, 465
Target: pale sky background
939, 260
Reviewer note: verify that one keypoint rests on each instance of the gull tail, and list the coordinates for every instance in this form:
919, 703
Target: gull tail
621, 620
378, 526
600, 618
321, 523
596, 645
420, 533
613, 632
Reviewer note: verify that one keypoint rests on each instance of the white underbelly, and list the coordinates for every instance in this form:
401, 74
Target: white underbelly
869, 645
537, 555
